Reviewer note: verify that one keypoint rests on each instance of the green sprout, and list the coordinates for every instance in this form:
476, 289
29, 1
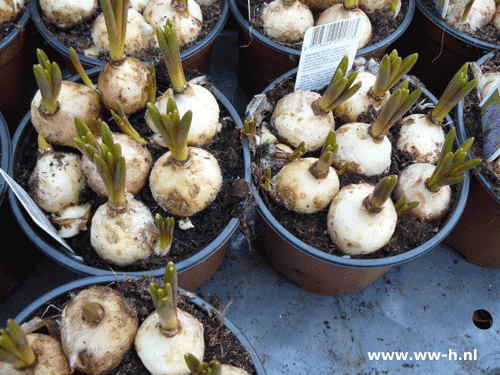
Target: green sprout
151, 77
169, 47
107, 157
351, 4
92, 312
392, 69
166, 230
80, 69
381, 192
14, 347
339, 89
266, 185
250, 126
395, 107
456, 90
125, 125
402, 208
198, 367
43, 145
173, 129
451, 167
115, 16
165, 300
321, 167
49, 80
298, 152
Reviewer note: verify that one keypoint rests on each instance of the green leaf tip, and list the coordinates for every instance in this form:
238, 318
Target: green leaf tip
165, 299
169, 47
14, 347
381, 192
48, 77
200, 367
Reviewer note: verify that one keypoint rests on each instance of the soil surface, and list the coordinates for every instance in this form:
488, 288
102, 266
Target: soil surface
220, 342
7, 27
382, 26
473, 127
312, 228
230, 202
488, 34
80, 36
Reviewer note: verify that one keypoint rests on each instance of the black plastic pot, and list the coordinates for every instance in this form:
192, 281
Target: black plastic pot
16, 78
319, 272
442, 49
476, 234
193, 58
28, 313
192, 272
262, 60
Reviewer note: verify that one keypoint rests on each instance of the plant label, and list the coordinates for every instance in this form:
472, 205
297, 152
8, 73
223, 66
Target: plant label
442, 7
33, 210
490, 121
323, 48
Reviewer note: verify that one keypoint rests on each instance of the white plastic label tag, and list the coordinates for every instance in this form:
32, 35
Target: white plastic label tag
323, 48
490, 121
31, 207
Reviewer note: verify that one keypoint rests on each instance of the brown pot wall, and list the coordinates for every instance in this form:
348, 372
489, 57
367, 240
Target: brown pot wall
310, 273
477, 232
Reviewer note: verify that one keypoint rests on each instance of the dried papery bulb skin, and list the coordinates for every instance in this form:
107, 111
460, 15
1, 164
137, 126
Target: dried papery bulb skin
205, 109
164, 355
187, 22
138, 160
140, 34
97, 347
391, 7
57, 181
123, 235
75, 100
361, 101
298, 190
480, 14
68, 13
491, 81
10, 9
286, 21
186, 188
433, 205
296, 121
338, 12
354, 229
124, 81
421, 137
362, 153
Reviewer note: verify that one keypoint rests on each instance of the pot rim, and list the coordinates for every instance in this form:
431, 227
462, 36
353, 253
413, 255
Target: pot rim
453, 217
17, 30
243, 22
6, 156
91, 280
462, 134
452, 31
50, 247
89, 61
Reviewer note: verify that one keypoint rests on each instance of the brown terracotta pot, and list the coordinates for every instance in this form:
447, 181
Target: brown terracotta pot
192, 272
476, 233
262, 60
193, 58
320, 272
16, 78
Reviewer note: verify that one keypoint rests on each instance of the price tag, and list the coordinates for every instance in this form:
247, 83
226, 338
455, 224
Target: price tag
490, 121
33, 210
323, 48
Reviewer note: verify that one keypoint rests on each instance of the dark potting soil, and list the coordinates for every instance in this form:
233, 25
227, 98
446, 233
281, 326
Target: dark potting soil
80, 36
220, 342
473, 128
7, 27
229, 203
312, 228
382, 26
488, 33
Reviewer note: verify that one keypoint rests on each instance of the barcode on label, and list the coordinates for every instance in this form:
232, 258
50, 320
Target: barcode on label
335, 32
